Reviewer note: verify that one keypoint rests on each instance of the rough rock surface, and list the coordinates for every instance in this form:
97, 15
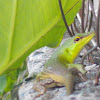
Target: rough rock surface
83, 91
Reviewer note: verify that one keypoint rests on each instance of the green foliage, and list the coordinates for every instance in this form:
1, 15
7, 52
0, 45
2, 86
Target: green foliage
7, 96
3, 82
26, 25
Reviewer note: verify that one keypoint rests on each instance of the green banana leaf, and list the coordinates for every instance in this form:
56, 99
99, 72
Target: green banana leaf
26, 25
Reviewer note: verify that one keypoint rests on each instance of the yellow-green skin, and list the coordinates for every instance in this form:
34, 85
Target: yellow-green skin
57, 70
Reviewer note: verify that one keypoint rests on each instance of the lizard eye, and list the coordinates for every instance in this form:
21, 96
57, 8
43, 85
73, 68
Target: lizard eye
77, 39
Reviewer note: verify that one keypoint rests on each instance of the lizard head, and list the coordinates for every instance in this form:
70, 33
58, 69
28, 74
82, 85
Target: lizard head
72, 47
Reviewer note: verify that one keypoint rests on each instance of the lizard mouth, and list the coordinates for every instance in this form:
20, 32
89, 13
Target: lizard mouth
86, 39
89, 36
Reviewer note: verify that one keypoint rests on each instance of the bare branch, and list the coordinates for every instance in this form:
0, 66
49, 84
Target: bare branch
64, 19
75, 27
97, 29
87, 12
72, 29
90, 22
92, 8
82, 16
82, 61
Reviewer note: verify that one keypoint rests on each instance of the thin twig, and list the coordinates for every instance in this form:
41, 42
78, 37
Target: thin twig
82, 61
72, 29
92, 8
82, 16
90, 22
79, 17
64, 19
97, 77
87, 12
75, 27
98, 26
91, 59
91, 17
